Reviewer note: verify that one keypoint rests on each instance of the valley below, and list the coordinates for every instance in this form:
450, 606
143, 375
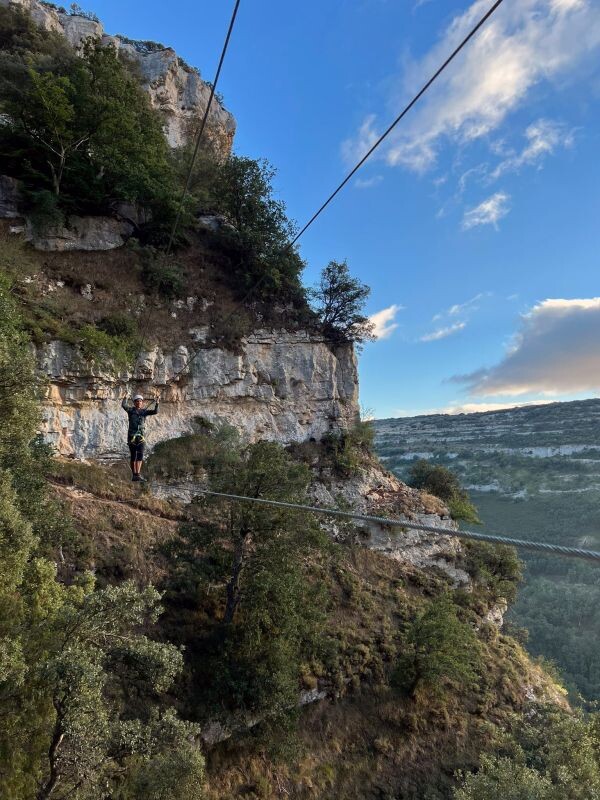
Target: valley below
532, 473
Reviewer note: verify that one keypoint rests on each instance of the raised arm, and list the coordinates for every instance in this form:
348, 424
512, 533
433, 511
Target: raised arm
125, 404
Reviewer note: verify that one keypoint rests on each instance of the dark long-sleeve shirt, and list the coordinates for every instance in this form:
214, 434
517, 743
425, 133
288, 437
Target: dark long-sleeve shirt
137, 417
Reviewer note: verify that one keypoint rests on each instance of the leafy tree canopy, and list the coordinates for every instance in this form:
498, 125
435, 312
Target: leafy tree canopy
339, 300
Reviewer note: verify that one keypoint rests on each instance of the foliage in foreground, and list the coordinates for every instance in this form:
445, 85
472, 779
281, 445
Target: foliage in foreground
82, 685
551, 756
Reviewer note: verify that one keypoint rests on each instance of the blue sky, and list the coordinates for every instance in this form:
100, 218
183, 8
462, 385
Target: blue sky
477, 225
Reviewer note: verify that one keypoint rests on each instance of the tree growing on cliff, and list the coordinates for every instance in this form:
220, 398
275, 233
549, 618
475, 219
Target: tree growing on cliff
339, 300
443, 652
253, 563
259, 237
79, 131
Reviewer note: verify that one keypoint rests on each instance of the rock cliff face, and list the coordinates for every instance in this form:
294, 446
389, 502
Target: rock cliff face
281, 386
175, 89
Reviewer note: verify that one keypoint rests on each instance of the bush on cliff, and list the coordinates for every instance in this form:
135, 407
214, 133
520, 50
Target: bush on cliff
258, 239
443, 483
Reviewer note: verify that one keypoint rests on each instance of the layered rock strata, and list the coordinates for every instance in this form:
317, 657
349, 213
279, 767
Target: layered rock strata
282, 386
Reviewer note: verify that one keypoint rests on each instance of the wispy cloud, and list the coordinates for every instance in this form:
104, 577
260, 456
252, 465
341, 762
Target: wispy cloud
464, 308
523, 44
543, 137
368, 183
554, 352
488, 212
442, 333
384, 323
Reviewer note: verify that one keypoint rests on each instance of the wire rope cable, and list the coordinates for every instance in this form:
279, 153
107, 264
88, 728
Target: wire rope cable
544, 547
213, 89
360, 163
400, 116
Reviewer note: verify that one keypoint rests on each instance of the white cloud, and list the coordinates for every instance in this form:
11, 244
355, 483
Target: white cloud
473, 408
543, 137
442, 333
384, 321
555, 352
460, 309
488, 212
467, 408
368, 183
523, 44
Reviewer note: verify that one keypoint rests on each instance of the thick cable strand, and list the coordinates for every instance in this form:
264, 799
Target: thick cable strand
545, 547
405, 111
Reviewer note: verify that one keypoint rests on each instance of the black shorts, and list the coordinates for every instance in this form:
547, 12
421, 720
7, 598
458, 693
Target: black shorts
137, 451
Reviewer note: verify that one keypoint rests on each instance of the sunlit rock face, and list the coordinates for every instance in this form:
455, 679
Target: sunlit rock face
175, 89
282, 386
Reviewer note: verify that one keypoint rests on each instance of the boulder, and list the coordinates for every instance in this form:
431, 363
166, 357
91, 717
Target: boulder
81, 233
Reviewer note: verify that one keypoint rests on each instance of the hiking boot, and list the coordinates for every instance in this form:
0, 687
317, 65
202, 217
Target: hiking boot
136, 478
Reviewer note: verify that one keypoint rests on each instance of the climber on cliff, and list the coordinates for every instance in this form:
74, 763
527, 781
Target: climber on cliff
135, 434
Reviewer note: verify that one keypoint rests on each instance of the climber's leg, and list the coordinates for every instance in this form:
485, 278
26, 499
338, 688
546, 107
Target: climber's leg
132, 459
139, 460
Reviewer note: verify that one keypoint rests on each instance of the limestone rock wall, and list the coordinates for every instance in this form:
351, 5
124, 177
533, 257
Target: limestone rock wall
174, 88
282, 386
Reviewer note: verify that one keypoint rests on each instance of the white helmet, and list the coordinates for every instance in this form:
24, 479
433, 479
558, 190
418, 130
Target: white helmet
138, 397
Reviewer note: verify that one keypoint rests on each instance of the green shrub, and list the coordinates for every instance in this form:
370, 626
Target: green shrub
497, 567
444, 652
99, 347
443, 483
345, 452
162, 275
121, 325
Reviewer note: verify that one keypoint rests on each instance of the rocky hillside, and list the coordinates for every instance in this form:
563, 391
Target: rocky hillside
533, 472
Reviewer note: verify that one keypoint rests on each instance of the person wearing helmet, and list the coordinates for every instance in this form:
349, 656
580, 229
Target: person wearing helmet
135, 434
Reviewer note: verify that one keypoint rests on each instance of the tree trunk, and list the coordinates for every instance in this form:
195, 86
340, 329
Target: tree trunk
233, 584
54, 776
57, 173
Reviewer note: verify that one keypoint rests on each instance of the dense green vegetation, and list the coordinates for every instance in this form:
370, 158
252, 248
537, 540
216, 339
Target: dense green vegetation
551, 756
79, 131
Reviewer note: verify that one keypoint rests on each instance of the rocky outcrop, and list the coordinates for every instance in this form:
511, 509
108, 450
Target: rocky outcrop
81, 233
175, 89
281, 386
375, 492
